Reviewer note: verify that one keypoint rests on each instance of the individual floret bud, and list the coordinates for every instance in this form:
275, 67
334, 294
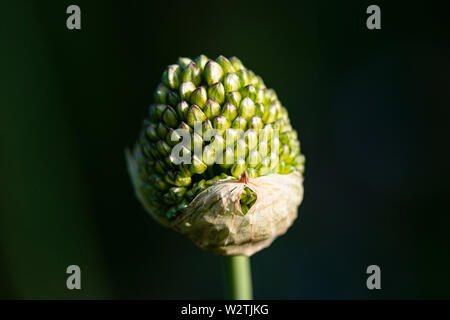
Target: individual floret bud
170, 117
269, 96
239, 123
248, 91
192, 73
182, 180
231, 82
196, 143
156, 111
172, 76
263, 148
184, 127
251, 138
182, 110
238, 168
253, 159
264, 167
201, 62
162, 130
199, 97
173, 137
183, 62
217, 92
237, 64
150, 132
256, 123
225, 158
233, 97
213, 72
225, 64
259, 95
186, 89
270, 114
211, 109
197, 165
266, 133
241, 149
163, 148
194, 115
217, 143
247, 108
259, 109
243, 77
207, 130
221, 124
231, 136
160, 93
172, 98
209, 156
229, 111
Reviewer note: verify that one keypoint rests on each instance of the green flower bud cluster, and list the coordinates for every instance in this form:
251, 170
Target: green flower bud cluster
234, 124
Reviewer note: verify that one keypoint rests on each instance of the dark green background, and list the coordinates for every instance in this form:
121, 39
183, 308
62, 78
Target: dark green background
371, 109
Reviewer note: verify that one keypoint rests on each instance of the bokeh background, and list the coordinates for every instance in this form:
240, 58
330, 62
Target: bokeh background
371, 108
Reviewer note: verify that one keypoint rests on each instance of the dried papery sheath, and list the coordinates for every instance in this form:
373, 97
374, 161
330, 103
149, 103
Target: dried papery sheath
214, 220
217, 158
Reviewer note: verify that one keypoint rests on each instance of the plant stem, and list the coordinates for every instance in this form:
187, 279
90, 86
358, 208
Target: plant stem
238, 277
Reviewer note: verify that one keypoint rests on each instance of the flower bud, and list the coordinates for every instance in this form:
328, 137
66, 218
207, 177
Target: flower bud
182, 110
195, 114
237, 64
172, 98
256, 123
163, 148
183, 62
197, 165
225, 64
247, 108
238, 168
186, 89
243, 77
211, 109
221, 124
171, 76
156, 111
192, 74
150, 132
253, 159
162, 130
201, 62
209, 156
248, 91
226, 158
239, 123
161, 93
213, 72
270, 114
217, 92
233, 97
170, 117
199, 97
231, 82
229, 111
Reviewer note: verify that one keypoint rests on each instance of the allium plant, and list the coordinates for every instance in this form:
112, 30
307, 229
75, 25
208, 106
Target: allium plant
218, 160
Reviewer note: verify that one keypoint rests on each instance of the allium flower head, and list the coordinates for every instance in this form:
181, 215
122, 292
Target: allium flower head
217, 158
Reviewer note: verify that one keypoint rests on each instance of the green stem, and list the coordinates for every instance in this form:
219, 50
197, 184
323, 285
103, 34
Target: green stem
238, 277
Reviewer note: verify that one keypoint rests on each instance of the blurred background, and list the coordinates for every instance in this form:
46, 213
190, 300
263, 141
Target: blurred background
371, 109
